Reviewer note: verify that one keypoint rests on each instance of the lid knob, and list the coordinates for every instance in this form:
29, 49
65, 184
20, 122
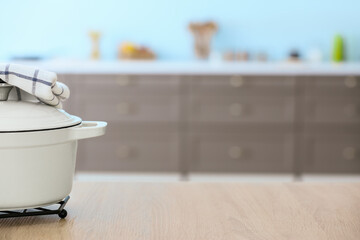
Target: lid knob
4, 90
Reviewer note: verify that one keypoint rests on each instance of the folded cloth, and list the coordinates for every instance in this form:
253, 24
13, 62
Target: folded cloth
42, 84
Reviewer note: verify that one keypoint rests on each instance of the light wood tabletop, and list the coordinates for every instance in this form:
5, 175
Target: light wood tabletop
199, 211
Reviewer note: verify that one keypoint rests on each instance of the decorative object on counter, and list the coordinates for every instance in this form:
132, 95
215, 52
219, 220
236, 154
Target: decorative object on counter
203, 33
215, 57
128, 50
95, 41
242, 56
229, 56
314, 55
338, 49
261, 57
294, 56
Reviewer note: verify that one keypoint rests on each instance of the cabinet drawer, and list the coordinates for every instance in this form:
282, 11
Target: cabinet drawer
241, 109
129, 85
118, 151
130, 108
241, 153
332, 153
332, 109
244, 85
343, 85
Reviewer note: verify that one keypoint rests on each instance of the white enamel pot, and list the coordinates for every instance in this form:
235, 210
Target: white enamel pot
38, 146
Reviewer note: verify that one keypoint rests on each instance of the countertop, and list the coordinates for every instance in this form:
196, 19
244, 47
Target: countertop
195, 68
199, 211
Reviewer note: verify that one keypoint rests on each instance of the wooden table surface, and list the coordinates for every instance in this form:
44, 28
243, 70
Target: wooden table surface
199, 211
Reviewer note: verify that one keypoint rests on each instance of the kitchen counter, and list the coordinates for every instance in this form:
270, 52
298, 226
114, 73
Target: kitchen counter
199, 211
195, 68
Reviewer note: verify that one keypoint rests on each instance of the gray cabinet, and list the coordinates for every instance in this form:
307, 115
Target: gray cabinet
130, 109
142, 114
240, 124
125, 85
219, 123
331, 122
240, 152
241, 109
331, 153
331, 85
131, 150
332, 109
242, 85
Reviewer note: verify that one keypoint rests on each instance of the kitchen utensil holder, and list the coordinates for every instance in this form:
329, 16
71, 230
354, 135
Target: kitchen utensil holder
61, 212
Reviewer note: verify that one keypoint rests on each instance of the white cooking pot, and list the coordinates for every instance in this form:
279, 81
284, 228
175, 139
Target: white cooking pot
38, 145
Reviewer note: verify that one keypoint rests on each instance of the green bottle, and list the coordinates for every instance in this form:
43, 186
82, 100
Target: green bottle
338, 49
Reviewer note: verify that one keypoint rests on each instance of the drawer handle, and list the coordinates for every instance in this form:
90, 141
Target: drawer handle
350, 82
349, 153
351, 110
236, 109
123, 152
236, 152
123, 108
236, 81
122, 81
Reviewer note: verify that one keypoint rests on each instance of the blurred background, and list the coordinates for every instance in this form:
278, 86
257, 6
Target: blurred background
202, 90
59, 29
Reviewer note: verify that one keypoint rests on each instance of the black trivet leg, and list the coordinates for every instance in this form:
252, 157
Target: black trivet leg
62, 212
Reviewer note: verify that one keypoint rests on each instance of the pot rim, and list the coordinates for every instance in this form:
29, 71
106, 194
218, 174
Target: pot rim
45, 129
87, 129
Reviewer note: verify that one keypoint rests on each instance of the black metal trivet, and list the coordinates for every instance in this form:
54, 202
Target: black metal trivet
61, 212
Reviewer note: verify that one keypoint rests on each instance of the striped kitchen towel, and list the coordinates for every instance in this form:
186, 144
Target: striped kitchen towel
42, 84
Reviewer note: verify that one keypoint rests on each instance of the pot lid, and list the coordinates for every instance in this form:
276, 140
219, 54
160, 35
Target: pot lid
33, 116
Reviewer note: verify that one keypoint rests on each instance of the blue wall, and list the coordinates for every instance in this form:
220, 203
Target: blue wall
59, 28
